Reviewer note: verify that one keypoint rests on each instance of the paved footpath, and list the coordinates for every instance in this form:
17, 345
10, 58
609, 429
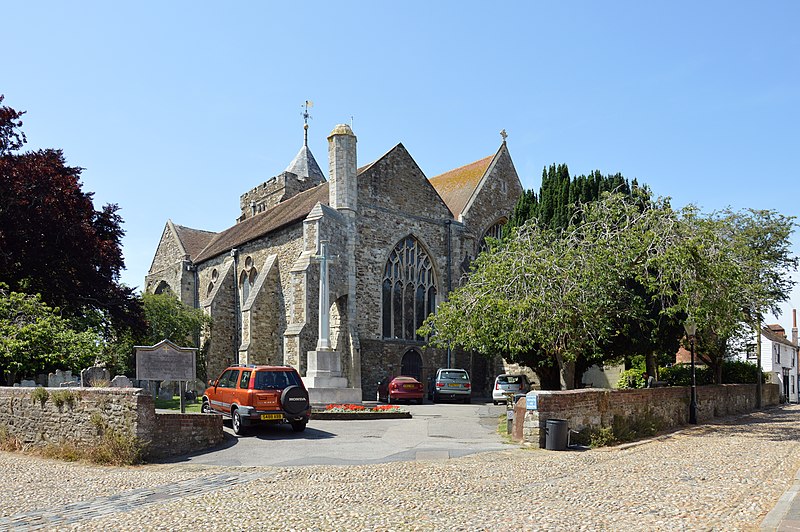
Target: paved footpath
734, 474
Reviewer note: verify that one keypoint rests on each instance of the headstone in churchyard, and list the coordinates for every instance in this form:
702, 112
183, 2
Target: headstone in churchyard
27, 384
69, 384
121, 381
166, 361
54, 380
165, 393
95, 376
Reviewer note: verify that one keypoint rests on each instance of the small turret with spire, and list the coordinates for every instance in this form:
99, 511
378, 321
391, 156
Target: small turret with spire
302, 174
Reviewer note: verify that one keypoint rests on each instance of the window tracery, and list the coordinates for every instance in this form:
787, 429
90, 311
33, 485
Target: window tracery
409, 290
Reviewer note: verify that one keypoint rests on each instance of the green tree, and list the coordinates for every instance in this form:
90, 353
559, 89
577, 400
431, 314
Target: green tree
54, 243
34, 338
167, 319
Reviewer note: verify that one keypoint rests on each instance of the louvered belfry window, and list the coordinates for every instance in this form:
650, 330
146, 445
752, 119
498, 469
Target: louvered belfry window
409, 290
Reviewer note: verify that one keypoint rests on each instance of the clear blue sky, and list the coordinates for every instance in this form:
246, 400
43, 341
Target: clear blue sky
176, 108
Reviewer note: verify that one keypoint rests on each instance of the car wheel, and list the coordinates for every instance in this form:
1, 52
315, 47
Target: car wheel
420, 401
236, 423
206, 408
298, 426
467, 400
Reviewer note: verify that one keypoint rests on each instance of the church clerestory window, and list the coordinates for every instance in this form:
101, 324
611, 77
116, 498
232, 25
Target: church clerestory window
408, 291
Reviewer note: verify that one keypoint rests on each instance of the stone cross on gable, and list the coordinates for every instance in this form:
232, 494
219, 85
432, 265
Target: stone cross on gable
324, 341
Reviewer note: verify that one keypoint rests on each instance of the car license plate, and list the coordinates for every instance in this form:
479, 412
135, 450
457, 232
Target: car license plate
267, 417
409, 386
454, 385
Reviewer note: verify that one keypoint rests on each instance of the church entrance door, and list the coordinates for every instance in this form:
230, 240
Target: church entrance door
411, 365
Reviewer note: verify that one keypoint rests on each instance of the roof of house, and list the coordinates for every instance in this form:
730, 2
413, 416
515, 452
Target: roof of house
456, 186
773, 336
292, 210
193, 240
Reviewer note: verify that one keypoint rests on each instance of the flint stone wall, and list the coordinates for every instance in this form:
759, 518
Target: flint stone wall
70, 416
591, 409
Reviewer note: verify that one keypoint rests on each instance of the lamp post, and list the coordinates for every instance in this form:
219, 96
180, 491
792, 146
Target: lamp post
691, 329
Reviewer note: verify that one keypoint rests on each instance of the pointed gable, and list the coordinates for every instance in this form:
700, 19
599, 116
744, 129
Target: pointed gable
397, 183
457, 186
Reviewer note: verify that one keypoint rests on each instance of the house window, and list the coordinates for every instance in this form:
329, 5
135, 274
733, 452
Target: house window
777, 349
408, 291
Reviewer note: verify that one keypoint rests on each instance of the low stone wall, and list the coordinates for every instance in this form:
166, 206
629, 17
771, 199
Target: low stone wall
591, 409
42, 416
177, 434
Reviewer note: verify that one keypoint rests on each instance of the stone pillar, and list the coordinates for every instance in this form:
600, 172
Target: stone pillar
342, 160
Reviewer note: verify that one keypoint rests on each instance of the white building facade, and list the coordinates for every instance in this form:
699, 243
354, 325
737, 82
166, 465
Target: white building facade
779, 359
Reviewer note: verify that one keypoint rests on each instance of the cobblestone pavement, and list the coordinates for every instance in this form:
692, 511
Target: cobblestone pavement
722, 476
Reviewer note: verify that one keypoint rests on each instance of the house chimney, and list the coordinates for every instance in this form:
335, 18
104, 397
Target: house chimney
794, 326
342, 160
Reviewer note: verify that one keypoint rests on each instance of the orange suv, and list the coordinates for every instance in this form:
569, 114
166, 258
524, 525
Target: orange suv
249, 395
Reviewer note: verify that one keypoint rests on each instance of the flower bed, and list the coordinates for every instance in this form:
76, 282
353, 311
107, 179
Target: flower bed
353, 411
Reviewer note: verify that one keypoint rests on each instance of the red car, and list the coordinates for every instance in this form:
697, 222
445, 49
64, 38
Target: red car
400, 388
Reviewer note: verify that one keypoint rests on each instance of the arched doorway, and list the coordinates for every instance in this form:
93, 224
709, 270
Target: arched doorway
411, 365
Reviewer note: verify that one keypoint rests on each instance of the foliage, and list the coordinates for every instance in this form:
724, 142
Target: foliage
733, 372
116, 446
52, 240
34, 338
623, 429
556, 300
63, 397
620, 279
166, 318
40, 395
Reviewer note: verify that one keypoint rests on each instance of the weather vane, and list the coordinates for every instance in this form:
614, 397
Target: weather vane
306, 115
503, 134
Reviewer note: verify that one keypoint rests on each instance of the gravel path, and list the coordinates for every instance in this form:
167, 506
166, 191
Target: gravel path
722, 476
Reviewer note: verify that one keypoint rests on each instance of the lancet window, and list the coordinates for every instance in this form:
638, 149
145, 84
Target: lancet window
495, 231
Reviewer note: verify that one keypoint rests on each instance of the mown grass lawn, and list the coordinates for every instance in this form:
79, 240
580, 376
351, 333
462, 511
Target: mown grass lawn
175, 404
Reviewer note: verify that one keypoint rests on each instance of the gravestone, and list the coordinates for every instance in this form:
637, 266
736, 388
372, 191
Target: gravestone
69, 384
27, 384
94, 376
54, 380
121, 381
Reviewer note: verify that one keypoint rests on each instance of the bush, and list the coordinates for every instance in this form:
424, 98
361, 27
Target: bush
733, 372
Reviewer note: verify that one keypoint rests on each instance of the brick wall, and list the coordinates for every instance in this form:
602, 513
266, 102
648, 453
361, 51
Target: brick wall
72, 415
590, 409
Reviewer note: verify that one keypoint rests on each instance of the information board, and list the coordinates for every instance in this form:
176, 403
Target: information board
165, 362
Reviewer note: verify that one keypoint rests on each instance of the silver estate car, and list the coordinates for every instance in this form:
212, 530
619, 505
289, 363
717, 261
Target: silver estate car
505, 384
452, 384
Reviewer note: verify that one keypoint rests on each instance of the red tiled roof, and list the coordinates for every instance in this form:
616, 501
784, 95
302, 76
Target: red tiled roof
285, 213
456, 186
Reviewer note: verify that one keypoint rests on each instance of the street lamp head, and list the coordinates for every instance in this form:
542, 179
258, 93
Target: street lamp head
690, 326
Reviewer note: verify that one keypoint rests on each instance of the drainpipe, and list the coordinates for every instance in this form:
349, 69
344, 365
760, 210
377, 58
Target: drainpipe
449, 279
237, 337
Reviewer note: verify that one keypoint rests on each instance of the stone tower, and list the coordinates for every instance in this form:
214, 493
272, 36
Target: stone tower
342, 160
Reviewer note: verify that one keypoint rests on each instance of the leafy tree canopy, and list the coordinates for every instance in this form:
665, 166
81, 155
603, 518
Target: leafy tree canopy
35, 339
52, 240
561, 300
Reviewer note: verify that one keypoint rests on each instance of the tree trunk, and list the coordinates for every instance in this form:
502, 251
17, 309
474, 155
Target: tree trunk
549, 377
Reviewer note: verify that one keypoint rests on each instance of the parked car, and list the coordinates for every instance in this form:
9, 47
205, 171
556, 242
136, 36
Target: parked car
450, 383
506, 383
400, 388
250, 395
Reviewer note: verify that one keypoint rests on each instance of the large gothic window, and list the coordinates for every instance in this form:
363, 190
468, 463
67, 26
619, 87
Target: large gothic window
409, 290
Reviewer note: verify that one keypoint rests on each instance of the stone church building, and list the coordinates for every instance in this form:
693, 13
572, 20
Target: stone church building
399, 242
